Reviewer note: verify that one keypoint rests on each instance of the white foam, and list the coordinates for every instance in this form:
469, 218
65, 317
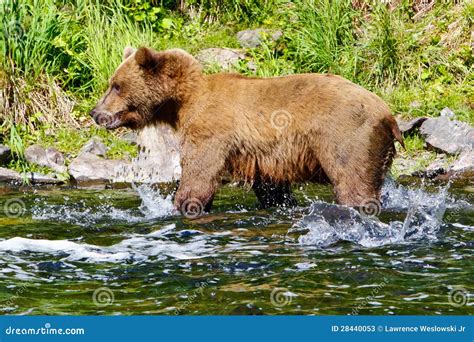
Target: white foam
136, 247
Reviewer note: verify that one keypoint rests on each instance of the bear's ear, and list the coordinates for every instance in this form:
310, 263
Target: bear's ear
146, 58
127, 52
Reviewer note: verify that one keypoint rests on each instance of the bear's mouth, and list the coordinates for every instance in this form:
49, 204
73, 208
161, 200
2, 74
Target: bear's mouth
109, 121
115, 122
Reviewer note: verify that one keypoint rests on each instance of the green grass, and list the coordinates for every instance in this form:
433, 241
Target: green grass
58, 55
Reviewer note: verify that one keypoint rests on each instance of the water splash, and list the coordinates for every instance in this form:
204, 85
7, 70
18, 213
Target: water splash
153, 205
327, 223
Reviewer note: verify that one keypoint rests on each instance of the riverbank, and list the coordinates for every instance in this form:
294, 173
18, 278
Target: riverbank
416, 57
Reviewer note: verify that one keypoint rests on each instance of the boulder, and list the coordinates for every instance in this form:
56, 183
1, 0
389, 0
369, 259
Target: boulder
95, 146
88, 167
255, 38
7, 175
49, 157
407, 127
158, 157
5, 154
447, 135
222, 57
465, 162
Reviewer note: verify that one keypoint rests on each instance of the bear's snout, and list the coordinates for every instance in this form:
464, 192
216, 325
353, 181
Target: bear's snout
101, 118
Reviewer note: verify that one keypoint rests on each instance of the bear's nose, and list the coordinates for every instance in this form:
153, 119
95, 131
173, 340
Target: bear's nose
93, 113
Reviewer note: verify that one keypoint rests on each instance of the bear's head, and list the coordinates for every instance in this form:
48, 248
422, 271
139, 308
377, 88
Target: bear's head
143, 87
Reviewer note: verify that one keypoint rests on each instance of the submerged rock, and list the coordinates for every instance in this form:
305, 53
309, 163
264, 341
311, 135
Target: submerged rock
447, 135
49, 157
255, 38
88, 167
5, 154
222, 57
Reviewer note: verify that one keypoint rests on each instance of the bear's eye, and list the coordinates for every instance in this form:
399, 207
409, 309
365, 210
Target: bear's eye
116, 87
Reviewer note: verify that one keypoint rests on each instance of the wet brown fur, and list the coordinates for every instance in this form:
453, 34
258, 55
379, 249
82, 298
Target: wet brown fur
336, 130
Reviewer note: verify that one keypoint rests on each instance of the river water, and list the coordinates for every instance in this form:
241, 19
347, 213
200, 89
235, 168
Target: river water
126, 251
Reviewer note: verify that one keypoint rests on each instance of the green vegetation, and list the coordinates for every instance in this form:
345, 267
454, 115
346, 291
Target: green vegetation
58, 54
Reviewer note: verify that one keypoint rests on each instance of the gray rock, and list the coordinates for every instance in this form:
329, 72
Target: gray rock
409, 126
465, 162
5, 154
222, 57
39, 178
437, 167
49, 157
130, 137
255, 38
7, 175
252, 66
158, 158
447, 135
88, 167
95, 146
446, 111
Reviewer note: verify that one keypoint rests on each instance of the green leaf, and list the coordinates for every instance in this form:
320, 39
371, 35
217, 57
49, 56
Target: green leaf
167, 23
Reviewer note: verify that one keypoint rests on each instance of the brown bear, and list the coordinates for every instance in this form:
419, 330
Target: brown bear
269, 132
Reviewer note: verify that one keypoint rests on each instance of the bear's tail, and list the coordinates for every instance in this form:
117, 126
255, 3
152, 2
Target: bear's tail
396, 131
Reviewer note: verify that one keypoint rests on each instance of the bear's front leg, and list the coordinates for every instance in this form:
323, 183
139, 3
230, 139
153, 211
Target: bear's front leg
200, 177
